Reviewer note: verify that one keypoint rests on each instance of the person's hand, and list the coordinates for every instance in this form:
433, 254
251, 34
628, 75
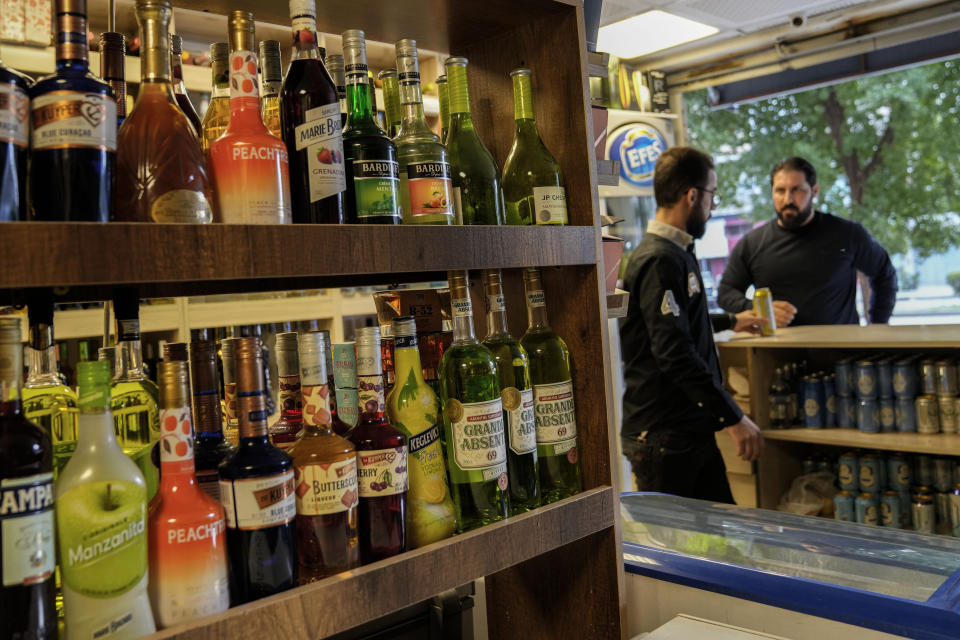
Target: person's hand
784, 312
746, 435
748, 321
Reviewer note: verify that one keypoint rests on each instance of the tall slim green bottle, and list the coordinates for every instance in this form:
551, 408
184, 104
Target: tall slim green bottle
476, 177
533, 188
392, 112
444, 100
473, 419
553, 402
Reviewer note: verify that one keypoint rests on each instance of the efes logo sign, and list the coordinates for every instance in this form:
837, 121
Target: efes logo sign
637, 146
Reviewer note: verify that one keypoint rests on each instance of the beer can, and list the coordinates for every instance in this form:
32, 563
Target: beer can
928, 378
924, 514
885, 378
848, 472
843, 507
868, 473
947, 407
942, 502
830, 401
813, 409
905, 415
888, 416
955, 510
905, 378
925, 471
868, 415
763, 307
890, 510
906, 515
943, 473
846, 412
946, 378
928, 414
898, 473
846, 381
867, 507
866, 379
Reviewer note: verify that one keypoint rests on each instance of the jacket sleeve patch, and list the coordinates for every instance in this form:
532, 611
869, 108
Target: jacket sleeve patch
669, 304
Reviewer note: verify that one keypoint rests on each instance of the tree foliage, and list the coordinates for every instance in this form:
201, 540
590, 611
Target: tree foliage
886, 148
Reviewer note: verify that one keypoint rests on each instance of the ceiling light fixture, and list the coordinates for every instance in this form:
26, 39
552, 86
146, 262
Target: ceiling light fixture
648, 32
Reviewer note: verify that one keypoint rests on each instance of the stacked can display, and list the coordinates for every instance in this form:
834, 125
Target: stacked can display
819, 395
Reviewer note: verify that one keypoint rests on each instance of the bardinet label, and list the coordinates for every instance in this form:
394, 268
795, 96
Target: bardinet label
257, 503
320, 136
14, 111
26, 529
382, 472
326, 488
555, 416
550, 205
522, 427
376, 184
479, 441
66, 119
430, 188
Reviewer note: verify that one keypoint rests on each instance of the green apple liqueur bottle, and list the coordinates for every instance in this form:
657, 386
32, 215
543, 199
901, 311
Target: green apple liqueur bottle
426, 190
532, 182
476, 177
552, 398
373, 178
473, 419
516, 393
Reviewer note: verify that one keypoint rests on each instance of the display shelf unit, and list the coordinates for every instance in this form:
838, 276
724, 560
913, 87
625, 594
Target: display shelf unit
935, 443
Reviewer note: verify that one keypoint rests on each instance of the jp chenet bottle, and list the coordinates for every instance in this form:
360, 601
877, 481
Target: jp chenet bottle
284, 432
217, 116
211, 448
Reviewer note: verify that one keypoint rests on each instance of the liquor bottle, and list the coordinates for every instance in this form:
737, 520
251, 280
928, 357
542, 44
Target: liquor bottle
335, 66
779, 402
392, 112
373, 176
347, 412
231, 422
426, 190
113, 50
326, 476
27, 554
373, 101
187, 547
381, 459
444, 99
14, 142
249, 165
46, 399
179, 89
258, 493
102, 524
532, 182
73, 138
271, 79
413, 408
476, 178
553, 401
210, 446
308, 109
217, 116
473, 419
516, 393
285, 431
160, 170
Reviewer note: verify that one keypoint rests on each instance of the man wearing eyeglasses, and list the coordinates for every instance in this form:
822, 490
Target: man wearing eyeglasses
808, 259
675, 402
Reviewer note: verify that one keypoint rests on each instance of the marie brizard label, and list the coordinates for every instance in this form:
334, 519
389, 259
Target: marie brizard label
258, 503
430, 187
320, 136
14, 114
67, 119
376, 184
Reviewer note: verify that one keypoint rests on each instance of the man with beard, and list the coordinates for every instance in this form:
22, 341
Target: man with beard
808, 259
675, 401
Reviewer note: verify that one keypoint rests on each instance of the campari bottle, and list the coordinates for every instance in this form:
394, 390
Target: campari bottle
325, 465
346, 411
14, 139
285, 431
249, 165
187, 546
102, 524
381, 459
211, 448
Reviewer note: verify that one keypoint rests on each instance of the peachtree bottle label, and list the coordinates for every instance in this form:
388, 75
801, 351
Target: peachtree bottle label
382, 472
431, 188
522, 427
376, 184
66, 119
555, 417
14, 111
320, 136
26, 529
258, 503
326, 488
550, 205
479, 441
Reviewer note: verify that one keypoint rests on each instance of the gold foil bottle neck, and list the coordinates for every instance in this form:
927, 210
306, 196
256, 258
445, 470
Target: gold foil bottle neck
459, 283
71, 30
492, 281
153, 16
175, 351
173, 381
241, 28
531, 279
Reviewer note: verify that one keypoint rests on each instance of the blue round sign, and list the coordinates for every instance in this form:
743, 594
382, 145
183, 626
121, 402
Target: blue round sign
637, 146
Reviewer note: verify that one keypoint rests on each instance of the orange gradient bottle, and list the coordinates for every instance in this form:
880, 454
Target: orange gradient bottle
250, 165
188, 551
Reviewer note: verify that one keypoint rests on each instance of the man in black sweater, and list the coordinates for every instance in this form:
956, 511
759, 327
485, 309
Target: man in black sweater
675, 401
808, 259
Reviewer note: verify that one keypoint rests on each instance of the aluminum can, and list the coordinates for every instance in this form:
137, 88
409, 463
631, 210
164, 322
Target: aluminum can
905, 415
898, 473
846, 381
843, 507
888, 415
763, 307
846, 412
905, 378
885, 378
947, 407
848, 472
942, 502
946, 378
925, 471
928, 414
924, 514
868, 509
943, 473
813, 409
890, 509
830, 401
928, 377
868, 415
955, 510
866, 379
868, 473
906, 506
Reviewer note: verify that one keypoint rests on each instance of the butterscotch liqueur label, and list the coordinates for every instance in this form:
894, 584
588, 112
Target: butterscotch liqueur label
326, 488
66, 119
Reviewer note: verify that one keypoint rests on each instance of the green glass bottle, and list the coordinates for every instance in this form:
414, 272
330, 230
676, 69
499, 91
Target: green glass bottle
473, 419
392, 112
533, 188
373, 178
426, 190
516, 392
476, 177
553, 401
444, 107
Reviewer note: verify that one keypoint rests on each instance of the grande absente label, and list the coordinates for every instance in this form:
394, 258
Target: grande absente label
556, 418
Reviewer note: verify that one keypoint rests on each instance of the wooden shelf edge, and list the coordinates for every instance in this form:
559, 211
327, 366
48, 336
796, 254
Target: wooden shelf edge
851, 337
376, 590
934, 443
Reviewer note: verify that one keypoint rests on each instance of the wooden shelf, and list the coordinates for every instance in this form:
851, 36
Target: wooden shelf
876, 336
375, 590
936, 443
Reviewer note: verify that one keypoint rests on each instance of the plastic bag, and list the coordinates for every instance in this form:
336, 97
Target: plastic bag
809, 494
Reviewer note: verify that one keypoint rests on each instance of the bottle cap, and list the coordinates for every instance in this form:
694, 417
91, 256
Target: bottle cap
9, 330
521, 71
203, 366
229, 362
334, 65
173, 381
288, 363
93, 382
387, 73
313, 359
176, 44
241, 28
300, 8
354, 52
404, 327
408, 66
175, 352
270, 61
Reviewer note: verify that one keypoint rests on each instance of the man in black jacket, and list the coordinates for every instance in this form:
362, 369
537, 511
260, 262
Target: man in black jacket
808, 259
675, 400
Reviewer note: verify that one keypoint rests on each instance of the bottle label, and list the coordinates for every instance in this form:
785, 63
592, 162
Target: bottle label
258, 503
370, 394
462, 308
67, 120
326, 488
382, 472
176, 436
26, 529
129, 330
316, 405
14, 111
209, 482
536, 299
376, 184
243, 75
478, 435
496, 303
304, 31
290, 396
345, 383
518, 410
320, 135
556, 417
550, 203
182, 206
430, 188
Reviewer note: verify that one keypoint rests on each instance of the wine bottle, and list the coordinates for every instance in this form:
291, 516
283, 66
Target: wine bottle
179, 88
14, 141
217, 116
426, 189
271, 78
347, 411
532, 183
476, 178
392, 112
334, 65
231, 423
161, 175
444, 99
27, 553
553, 401
381, 459
284, 432
258, 493
187, 547
516, 393
473, 419
311, 129
113, 50
326, 476
74, 131
210, 447
373, 177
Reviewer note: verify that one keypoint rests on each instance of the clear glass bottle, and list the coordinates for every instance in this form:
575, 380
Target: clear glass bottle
113, 51
217, 116
14, 143
533, 189
271, 77
444, 99
284, 432
211, 448
426, 188
334, 65
473, 419
553, 400
392, 112
179, 88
